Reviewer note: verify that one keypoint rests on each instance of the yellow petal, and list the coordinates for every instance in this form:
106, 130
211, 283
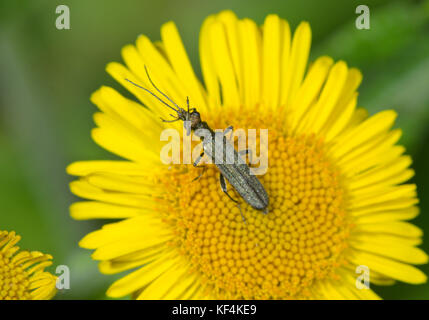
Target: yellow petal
378, 151
162, 77
359, 116
83, 168
399, 228
164, 283
121, 74
179, 60
396, 270
285, 61
271, 53
100, 210
329, 292
310, 89
329, 96
385, 216
127, 184
397, 204
183, 288
120, 264
377, 174
137, 228
230, 23
142, 277
395, 251
365, 131
129, 245
338, 122
392, 193
207, 64
348, 93
224, 65
251, 43
85, 190
130, 112
385, 239
292, 77
387, 183
350, 284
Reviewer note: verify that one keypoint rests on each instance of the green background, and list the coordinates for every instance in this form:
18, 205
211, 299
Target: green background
47, 76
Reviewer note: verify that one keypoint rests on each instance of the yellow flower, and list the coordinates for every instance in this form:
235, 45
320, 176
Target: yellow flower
22, 275
335, 176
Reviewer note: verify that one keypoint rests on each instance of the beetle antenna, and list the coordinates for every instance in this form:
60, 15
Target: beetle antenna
187, 114
152, 94
167, 97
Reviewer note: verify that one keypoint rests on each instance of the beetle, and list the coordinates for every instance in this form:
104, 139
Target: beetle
232, 167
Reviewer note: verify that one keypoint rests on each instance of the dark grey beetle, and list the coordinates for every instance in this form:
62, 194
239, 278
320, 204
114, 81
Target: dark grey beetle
231, 165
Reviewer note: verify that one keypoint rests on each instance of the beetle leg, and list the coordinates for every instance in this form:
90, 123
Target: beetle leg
198, 159
247, 151
230, 128
196, 165
223, 187
225, 132
201, 174
174, 120
241, 212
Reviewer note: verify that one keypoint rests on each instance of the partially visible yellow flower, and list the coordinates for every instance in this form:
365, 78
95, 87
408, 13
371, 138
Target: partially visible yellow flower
22, 275
335, 177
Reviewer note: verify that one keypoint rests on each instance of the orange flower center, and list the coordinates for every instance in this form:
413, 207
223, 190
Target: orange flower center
275, 255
